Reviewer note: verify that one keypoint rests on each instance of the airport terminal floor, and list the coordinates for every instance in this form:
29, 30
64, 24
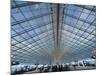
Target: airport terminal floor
52, 37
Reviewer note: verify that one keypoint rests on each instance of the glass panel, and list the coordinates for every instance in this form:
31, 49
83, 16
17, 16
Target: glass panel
84, 16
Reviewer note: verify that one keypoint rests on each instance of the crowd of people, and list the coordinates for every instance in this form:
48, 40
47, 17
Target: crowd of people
40, 68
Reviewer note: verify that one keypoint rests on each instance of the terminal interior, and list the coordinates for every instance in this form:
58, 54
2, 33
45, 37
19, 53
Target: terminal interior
52, 37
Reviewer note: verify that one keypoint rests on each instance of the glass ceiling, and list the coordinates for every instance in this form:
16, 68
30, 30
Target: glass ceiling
38, 29
78, 33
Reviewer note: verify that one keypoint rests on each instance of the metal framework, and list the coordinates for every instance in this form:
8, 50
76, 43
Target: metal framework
38, 29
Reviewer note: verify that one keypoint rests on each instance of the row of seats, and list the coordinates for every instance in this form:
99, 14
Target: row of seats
49, 68
53, 68
39, 68
19, 69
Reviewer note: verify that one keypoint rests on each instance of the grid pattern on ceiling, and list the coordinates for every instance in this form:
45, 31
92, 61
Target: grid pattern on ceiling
32, 30
78, 33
